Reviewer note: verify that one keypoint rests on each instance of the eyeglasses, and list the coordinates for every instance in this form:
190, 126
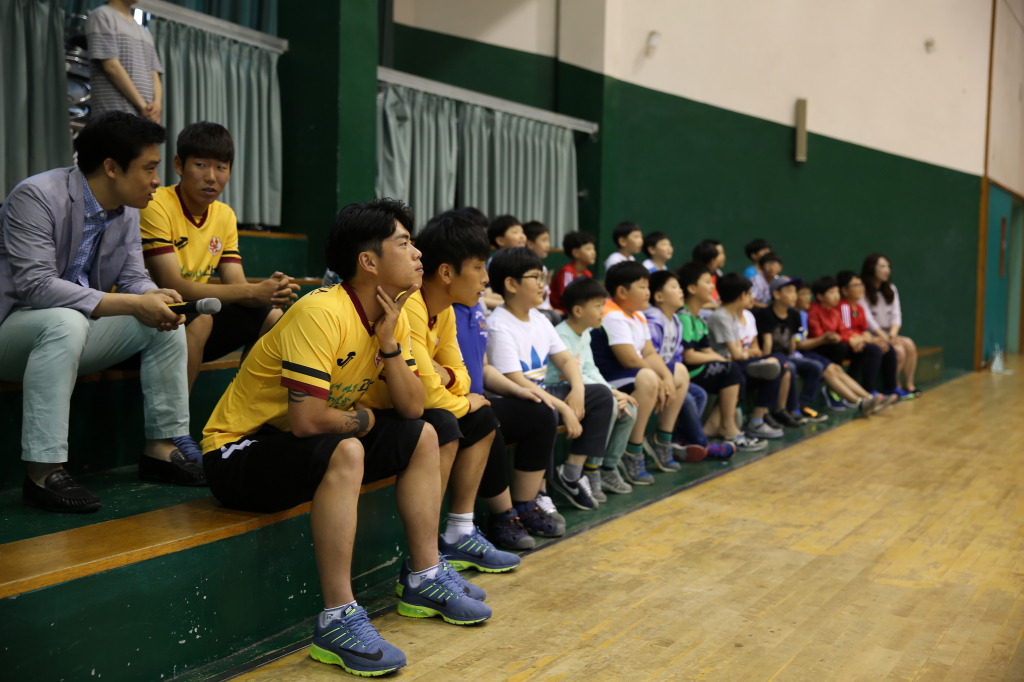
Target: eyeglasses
536, 277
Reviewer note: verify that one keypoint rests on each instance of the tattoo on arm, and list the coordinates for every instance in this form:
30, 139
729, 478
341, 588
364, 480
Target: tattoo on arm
355, 421
295, 396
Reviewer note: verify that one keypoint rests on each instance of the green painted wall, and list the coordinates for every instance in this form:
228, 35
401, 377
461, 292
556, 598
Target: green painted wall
1000, 208
328, 88
693, 171
524, 77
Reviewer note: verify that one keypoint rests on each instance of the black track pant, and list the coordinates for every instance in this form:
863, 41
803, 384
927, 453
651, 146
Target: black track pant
532, 427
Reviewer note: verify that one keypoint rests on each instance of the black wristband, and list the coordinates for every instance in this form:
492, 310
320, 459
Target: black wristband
392, 355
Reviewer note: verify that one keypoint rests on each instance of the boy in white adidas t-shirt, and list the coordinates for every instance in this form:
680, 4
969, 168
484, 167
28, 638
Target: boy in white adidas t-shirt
628, 361
521, 342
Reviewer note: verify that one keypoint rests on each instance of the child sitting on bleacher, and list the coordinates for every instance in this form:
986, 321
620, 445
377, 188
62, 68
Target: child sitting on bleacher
627, 360
707, 254
658, 249
584, 299
579, 249
754, 250
708, 368
538, 240
521, 343
628, 240
771, 266
505, 232
666, 329
882, 302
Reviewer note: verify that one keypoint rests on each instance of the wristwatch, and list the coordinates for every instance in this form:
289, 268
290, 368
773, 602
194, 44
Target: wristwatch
392, 355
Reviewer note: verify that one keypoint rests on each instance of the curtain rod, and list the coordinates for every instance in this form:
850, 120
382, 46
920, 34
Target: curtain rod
472, 97
205, 22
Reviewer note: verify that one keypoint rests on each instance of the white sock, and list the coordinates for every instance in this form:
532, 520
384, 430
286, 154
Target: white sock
327, 615
458, 525
417, 578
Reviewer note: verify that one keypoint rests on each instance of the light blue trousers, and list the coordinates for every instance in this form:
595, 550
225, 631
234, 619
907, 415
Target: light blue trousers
618, 436
47, 349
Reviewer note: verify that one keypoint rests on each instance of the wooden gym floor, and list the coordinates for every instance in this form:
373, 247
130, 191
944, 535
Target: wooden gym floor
887, 549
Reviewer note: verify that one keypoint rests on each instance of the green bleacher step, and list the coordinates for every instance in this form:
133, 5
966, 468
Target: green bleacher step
263, 253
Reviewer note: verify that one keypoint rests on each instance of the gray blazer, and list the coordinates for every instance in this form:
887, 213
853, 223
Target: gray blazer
41, 226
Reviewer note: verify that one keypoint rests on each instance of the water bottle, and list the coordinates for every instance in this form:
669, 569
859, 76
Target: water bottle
997, 360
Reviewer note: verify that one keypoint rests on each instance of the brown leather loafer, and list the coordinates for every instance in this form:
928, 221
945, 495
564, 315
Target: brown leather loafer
59, 493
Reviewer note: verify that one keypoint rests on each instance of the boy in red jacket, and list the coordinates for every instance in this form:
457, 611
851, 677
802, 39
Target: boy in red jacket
579, 248
825, 318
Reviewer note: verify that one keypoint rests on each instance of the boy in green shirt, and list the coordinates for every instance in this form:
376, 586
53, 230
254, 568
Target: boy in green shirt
584, 301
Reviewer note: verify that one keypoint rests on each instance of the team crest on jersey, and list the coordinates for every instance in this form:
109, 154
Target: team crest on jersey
378, 360
215, 246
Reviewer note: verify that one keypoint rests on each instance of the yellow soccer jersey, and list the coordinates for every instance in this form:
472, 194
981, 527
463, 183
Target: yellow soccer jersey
322, 347
200, 245
432, 339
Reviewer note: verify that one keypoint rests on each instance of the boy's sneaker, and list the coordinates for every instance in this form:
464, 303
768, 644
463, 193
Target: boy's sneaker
537, 522
722, 450
813, 416
689, 453
744, 443
577, 492
834, 402
548, 506
786, 419
594, 479
468, 588
763, 369
443, 595
867, 406
885, 401
352, 642
762, 430
611, 480
661, 453
905, 395
634, 470
475, 550
507, 531
770, 421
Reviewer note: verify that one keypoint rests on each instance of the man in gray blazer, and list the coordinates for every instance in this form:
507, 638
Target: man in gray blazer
75, 298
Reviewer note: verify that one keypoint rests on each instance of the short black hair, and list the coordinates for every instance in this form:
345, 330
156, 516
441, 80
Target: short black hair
476, 215
623, 230
823, 284
651, 240
624, 274
450, 238
534, 229
659, 279
205, 140
731, 286
770, 257
581, 291
360, 228
705, 252
754, 246
116, 135
499, 226
804, 284
576, 240
512, 263
689, 274
844, 277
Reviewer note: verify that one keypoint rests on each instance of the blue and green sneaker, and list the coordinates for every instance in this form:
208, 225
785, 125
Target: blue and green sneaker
468, 588
352, 642
476, 551
442, 595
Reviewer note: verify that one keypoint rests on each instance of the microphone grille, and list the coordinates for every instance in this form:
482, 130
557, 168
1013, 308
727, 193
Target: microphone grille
208, 306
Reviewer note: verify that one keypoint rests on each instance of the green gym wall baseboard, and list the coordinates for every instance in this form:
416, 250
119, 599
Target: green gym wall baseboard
694, 171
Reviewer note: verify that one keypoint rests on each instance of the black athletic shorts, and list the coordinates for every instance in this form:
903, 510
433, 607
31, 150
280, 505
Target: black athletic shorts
718, 375
233, 327
272, 470
469, 429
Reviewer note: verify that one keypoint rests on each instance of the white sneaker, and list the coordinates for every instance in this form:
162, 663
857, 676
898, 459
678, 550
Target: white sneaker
548, 507
744, 443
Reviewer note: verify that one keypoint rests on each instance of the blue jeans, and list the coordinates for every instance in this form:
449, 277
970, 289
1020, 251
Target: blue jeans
688, 425
810, 370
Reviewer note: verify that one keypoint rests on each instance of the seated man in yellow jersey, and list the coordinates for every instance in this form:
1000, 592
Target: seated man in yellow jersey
292, 427
187, 236
454, 253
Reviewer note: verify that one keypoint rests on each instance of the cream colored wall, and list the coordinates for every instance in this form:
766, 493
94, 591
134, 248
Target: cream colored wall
1006, 140
527, 25
862, 65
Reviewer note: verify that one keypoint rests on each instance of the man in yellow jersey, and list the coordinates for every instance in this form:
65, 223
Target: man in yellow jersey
188, 236
293, 427
454, 253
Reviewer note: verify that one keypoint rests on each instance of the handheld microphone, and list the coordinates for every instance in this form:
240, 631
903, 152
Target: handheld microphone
204, 306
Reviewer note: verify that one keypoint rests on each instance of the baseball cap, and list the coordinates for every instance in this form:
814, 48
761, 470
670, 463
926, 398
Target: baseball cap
782, 281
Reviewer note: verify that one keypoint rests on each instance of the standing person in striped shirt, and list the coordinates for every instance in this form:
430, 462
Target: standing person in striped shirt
125, 70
